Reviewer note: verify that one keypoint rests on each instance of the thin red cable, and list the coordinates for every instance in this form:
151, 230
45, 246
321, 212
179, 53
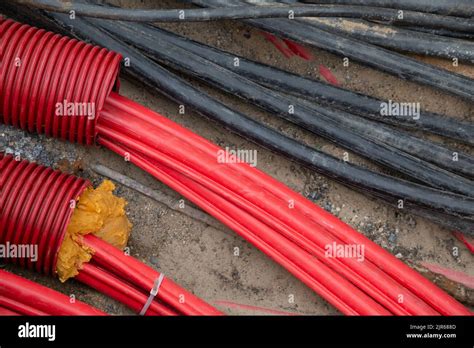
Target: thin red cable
367, 286
19, 307
345, 290
4, 312
117, 289
236, 226
293, 236
41, 298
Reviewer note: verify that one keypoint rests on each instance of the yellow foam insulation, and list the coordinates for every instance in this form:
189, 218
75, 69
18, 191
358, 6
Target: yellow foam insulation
98, 212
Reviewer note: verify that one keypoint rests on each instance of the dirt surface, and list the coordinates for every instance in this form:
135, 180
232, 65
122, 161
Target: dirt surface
201, 258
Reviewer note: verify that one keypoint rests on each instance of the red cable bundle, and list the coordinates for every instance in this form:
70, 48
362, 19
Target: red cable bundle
188, 164
21, 296
281, 223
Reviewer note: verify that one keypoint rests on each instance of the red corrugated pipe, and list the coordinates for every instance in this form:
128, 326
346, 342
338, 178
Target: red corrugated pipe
35, 208
41, 69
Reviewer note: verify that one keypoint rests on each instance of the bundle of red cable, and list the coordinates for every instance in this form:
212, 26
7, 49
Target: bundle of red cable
20, 296
36, 207
281, 223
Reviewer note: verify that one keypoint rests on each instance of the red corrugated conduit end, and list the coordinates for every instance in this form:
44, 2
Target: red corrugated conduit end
36, 204
52, 84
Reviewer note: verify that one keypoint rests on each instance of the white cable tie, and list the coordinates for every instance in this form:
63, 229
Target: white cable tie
153, 293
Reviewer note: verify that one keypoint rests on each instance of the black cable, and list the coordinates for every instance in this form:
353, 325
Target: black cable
378, 57
288, 82
297, 10
451, 210
397, 38
462, 8
423, 149
318, 120
440, 32
420, 19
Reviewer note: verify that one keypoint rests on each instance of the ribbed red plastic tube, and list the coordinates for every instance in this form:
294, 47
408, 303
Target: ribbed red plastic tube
48, 81
36, 204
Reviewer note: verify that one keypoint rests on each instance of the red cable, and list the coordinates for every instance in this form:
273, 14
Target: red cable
115, 288
336, 264
4, 312
41, 298
236, 226
19, 307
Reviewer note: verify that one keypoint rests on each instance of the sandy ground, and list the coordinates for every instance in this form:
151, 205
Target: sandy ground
201, 258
